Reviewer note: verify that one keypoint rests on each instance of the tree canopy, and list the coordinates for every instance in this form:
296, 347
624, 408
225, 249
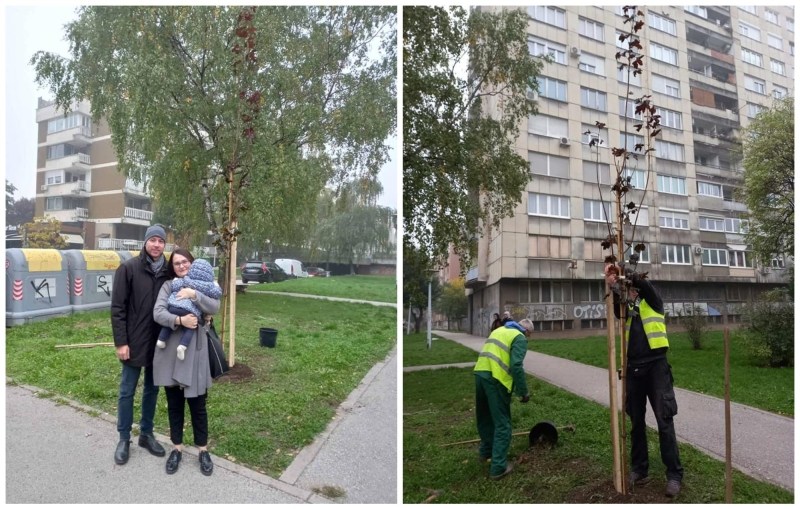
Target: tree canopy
768, 190
235, 115
460, 167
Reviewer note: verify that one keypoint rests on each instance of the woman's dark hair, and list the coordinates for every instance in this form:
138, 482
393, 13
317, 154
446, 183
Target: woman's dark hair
181, 251
497, 316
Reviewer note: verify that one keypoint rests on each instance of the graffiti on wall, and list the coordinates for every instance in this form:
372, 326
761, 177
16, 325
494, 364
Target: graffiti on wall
589, 311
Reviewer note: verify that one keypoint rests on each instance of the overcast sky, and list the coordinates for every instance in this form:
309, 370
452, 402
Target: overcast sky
29, 29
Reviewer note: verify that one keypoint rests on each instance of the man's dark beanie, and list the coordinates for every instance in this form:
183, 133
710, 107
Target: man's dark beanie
155, 231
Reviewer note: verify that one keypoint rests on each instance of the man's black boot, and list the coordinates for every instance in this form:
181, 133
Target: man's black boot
149, 442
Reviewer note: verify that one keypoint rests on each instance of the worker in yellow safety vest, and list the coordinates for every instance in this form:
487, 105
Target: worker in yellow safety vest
498, 372
648, 376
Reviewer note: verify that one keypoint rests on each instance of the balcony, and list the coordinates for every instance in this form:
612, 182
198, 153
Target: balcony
472, 279
126, 245
137, 216
79, 161
79, 136
68, 215
133, 188
78, 188
81, 214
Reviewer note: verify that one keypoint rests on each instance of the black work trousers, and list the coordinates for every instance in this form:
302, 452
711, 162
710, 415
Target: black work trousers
653, 381
176, 405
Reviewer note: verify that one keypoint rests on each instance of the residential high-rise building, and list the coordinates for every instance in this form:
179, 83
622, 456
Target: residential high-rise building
78, 182
710, 70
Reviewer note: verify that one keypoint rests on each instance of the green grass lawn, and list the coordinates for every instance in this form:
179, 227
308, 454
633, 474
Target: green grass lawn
416, 353
372, 288
438, 408
770, 389
324, 349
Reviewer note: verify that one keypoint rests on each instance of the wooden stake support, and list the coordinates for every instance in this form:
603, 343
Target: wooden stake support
612, 393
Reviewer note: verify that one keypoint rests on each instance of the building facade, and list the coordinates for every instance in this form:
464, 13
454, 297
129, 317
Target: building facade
78, 182
710, 70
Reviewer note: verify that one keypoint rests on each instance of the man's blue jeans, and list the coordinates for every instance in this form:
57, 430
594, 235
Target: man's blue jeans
127, 389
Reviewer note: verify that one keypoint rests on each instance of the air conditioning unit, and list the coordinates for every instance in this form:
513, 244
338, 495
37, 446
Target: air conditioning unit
575, 51
564, 141
698, 250
44, 187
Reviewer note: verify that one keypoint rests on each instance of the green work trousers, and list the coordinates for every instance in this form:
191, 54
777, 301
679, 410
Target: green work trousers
493, 412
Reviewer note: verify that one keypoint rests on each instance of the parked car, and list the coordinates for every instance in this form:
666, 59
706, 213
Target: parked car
292, 268
317, 272
263, 272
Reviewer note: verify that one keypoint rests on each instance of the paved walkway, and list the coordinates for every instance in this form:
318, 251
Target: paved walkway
340, 299
63, 453
762, 442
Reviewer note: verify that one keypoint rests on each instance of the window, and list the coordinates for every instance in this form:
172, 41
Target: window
640, 218
591, 29
711, 224
676, 254
593, 170
593, 64
754, 109
735, 225
624, 76
670, 118
661, 23
666, 86
68, 122
673, 219
549, 165
548, 205
777, 67
667, 150
53, 203
663, 53
538, 47
749, 31
549, 15
751, 57
546, 125
790, 24
740, 259
638, 178
671, 185
596, 211
554, 292
791, 48
552, 88
709, 189
715, 257
775, 41
591, 132
771, 16
61, 150
748, 8
627, 108
594, 99
779, 92
755, 85
778, 262
54, 177
644, 256
696, 9
631, 141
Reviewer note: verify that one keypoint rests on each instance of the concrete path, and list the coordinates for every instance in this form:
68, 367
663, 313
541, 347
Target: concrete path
63, 453
340, 299
762, 442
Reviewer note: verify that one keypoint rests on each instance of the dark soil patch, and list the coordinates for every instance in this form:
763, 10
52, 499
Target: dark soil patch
603, 492
238, 373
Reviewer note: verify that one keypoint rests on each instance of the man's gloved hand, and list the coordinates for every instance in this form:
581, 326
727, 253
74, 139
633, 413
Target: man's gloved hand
525, 398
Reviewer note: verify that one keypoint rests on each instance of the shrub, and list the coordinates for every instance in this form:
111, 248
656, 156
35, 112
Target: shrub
696, 326
768, 333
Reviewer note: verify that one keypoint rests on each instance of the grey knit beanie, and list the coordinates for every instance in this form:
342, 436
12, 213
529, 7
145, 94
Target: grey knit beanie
155, 231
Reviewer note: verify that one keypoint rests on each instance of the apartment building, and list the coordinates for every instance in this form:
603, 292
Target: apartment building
78, 183
710, 70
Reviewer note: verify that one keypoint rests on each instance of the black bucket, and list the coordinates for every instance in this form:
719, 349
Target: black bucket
268, 337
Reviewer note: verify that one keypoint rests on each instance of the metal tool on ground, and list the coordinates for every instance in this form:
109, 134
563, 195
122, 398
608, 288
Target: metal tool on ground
84, 345
544, 433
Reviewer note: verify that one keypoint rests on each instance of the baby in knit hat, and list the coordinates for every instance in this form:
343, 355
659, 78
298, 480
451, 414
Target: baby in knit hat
201, 278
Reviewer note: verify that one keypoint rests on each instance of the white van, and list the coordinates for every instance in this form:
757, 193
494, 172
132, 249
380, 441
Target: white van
293, 268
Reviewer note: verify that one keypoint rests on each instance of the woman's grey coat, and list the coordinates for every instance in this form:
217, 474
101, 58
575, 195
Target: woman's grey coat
193, 372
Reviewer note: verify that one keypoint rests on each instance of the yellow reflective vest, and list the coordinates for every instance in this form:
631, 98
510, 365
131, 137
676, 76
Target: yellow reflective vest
654, 326
496, 355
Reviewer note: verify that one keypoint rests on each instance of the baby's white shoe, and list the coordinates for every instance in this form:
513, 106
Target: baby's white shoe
161, 343
181, 350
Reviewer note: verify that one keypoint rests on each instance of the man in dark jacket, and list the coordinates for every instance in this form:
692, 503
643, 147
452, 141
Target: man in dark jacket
498, 373
648, 376
136, 285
